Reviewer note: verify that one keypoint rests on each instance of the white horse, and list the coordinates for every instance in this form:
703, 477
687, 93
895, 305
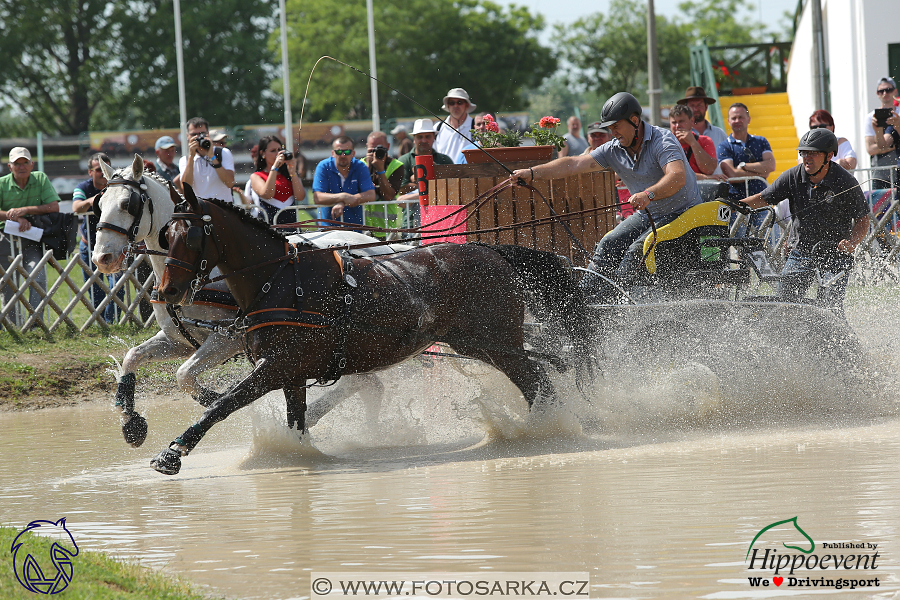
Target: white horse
135, 206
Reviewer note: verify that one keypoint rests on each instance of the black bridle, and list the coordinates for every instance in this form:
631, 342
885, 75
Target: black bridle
136, 202
195, 239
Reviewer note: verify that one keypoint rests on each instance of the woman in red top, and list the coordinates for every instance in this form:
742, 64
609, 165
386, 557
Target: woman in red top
276, 181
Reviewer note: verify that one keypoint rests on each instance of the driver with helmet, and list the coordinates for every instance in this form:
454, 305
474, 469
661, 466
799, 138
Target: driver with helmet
833, 216
654, 168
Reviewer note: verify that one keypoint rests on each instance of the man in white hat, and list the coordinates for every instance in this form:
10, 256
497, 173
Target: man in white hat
447, 141
423, 139
403, 144
24, 193
219, 137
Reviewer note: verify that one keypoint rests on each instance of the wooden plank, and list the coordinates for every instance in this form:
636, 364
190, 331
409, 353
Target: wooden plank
487, 169
487, 216
543, 233
467, 193
559, 238
505, 215
439, 192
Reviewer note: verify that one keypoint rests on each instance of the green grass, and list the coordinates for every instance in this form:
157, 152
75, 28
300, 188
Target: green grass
95, 576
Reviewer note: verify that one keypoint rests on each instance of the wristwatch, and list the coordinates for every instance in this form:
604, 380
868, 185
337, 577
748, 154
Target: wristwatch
741, 166
650, 195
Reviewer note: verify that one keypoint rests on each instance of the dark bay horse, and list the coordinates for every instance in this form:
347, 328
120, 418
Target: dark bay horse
317, 315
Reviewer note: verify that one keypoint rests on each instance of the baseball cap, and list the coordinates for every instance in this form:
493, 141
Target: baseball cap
595, 127
887, 80
423, 126
217, 135
19, 152
398, 129
165, 141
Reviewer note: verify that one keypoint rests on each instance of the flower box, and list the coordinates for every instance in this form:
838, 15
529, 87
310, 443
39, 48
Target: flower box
504, 155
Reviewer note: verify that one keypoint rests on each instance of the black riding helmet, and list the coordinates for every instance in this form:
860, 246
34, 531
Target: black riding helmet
619, 106
819, 140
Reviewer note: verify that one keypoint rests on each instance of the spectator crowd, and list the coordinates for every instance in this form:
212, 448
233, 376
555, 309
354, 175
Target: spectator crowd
344, 186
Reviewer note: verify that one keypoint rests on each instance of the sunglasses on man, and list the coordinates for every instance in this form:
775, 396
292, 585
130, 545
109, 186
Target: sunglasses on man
455, 102
344, 152
819, 126
885, 90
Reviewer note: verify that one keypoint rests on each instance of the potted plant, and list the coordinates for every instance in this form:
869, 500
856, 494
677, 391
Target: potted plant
506, 146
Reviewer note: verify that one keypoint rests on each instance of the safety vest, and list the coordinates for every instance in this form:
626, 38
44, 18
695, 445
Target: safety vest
386, 216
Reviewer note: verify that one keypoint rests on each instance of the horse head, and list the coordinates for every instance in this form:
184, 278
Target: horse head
127, 207
30, 563
193, 249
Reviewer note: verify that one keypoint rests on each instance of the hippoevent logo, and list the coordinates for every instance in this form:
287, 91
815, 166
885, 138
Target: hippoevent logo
806, 568
36, 571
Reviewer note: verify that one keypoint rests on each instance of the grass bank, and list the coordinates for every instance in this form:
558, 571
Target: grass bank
37, 372
95, 575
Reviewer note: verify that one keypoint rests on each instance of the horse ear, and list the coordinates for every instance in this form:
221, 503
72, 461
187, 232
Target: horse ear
107, 170
191, 198
173, 194
137, 167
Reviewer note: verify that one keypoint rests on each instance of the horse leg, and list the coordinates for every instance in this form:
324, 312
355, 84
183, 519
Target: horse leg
215, 350
159, 347
370, 391
528, 375
296, 408
262, 379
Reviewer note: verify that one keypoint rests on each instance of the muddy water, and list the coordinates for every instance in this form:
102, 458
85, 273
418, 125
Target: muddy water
656, 495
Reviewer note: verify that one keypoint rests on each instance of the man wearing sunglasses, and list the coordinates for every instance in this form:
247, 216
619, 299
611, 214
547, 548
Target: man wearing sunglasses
83, 201
447, 141
342, 184
879, 141
833, 216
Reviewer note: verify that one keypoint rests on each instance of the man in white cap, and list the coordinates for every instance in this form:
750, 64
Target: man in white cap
404, 142
219, 137
24, 193
423, 138
447, 141
165, 158
597, 136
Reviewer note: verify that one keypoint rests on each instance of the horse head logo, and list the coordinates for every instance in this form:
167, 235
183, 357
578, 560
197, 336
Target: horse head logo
812, 544
28, 569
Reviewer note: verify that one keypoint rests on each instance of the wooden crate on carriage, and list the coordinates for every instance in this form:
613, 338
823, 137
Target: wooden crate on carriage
457, 185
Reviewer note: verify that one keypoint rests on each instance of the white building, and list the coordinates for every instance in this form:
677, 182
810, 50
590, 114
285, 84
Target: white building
862, 45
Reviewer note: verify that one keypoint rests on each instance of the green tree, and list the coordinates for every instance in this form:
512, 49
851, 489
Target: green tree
71, 66
423, 49
55, 57
608, 52
228, 67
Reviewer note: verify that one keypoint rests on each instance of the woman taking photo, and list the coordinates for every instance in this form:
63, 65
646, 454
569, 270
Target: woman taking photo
276, 181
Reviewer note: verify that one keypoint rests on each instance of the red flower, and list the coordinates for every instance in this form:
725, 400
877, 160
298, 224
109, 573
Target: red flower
548, 122
489, 118
492, 126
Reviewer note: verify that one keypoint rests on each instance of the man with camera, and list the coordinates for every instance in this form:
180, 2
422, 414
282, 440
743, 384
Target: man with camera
387, 173
207, 168
877, 127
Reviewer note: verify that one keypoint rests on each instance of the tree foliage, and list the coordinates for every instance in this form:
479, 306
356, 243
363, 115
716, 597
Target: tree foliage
423, 49
609, 51
70, 66
53, 61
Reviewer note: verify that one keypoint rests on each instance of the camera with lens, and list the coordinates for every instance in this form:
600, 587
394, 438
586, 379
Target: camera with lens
288, 155
203, 140
380, 152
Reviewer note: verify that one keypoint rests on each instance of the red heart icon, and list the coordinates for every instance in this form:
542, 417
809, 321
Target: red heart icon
778, 580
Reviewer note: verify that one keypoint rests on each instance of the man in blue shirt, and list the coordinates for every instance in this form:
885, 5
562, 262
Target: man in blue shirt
342, 184
83, 198
651, 163
745, 155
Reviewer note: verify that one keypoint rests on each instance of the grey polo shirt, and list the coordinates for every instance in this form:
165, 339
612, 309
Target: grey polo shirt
660, 147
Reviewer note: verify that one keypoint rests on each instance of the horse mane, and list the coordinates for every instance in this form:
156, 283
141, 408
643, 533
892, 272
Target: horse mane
247, 218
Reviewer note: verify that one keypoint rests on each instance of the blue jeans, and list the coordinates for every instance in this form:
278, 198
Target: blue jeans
800, 271
97, 294
619, 255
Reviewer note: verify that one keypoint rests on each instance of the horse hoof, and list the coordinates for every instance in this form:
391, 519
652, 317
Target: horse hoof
135, 430
167, 462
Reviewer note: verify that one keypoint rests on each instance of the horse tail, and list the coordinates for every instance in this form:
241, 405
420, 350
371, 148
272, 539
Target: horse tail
553, 296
